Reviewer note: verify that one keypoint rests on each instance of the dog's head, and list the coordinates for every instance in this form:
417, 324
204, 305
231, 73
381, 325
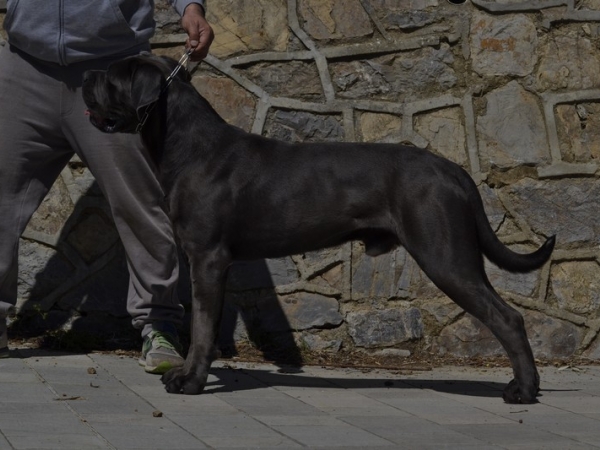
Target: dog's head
118, 98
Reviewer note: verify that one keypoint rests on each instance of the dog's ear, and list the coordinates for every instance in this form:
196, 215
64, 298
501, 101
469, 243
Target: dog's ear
146, 86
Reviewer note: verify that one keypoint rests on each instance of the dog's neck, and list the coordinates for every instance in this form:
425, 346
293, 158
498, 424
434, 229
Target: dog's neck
184, 120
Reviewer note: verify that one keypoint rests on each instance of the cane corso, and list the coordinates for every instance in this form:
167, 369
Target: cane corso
232, 195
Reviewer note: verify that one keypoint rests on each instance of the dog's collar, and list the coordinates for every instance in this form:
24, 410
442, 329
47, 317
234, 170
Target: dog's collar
182, 61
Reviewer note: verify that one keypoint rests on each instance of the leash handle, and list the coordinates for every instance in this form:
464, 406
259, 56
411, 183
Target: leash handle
182, 61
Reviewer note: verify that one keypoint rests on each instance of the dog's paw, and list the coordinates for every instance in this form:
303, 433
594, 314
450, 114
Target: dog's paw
180, 381
513, 393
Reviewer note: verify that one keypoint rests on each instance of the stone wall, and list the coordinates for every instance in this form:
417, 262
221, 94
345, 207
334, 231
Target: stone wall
507, 89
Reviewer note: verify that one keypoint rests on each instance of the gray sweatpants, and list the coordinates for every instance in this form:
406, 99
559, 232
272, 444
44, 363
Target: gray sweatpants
42, 123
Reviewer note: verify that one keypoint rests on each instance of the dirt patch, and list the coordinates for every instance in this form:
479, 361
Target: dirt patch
355, 359
421, 361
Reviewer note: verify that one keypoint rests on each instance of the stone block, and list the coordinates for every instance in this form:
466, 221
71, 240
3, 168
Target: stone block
299, 126
524, 284
375, 127
316, 342
445, 132
512, 131
392, 275
567, 208
336, 278
494, 209
384, 328
568, 60
53, 212
329, 268
334, 19
406, 15
593, 351
373, 277
443, 310
400, 77
168, 21
578, 129
551, 337
252, 314
358, 79
503, 45
79, 181
248, 26
42, 269
260, 274
294, 79
575, 285
467, 338
232, 102
299, 311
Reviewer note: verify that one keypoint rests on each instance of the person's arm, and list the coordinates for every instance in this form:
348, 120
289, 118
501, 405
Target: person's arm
199, 31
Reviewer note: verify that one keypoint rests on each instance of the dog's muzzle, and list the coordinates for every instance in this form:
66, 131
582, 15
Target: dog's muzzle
105, 124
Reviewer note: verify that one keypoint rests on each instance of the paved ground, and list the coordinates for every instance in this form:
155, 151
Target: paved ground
54, 402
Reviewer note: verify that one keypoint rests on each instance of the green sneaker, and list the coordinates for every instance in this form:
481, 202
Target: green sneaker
3, 338
160, 352
6, 310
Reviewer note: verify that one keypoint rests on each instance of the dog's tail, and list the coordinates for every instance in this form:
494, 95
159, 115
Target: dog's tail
500, 254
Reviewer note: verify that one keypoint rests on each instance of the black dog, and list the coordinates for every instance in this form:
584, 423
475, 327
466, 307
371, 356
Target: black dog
237, 196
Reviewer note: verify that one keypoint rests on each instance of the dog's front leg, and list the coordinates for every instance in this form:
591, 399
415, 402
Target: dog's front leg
208, 273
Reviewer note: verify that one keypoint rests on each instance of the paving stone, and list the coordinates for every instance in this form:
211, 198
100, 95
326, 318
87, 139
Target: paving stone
331, 435
142, 431
270, 405
233, 431
4, 445
512, 434
58, 440
254, 406
412, 431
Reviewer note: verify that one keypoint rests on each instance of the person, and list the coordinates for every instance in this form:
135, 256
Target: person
42, 124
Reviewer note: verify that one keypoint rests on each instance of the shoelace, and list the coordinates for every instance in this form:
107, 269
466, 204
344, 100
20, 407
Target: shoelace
163, 340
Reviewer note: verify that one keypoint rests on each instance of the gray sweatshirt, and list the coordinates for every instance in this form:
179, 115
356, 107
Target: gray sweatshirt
69, 31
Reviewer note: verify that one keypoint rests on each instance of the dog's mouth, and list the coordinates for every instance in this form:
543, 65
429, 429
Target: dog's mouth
105, 124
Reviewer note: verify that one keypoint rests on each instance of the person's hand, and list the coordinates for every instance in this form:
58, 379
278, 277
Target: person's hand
200, 33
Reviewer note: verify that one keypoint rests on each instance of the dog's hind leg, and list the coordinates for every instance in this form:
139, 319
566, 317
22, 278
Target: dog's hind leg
208, 270
437, 226
508, 326
466, 283
452, 260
